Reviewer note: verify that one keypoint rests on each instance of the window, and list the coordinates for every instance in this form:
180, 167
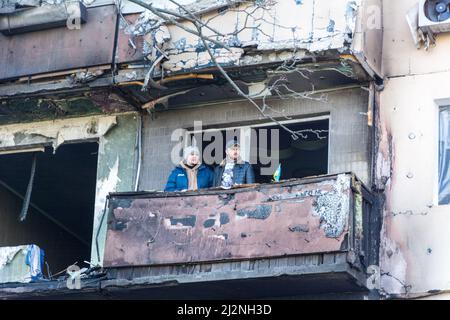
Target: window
267, 145
61, 211
444, 156
305, 157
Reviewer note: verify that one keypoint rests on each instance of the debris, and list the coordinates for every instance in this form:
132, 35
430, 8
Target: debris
85, 76
26, 202
35, 260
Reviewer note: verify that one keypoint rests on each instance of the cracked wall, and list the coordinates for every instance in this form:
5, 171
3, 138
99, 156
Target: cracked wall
54, 133
309, 26
415, 238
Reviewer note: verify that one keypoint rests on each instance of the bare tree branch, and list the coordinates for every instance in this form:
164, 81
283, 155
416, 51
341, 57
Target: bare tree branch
194, 17
159, 12
279, 87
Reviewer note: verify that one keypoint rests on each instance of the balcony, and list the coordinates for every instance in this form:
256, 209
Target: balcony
311, 237
298, 237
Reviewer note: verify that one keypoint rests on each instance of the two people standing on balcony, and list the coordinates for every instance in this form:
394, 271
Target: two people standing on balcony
191, 174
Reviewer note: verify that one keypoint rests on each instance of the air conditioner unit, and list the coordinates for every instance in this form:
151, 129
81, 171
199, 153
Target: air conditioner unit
434, 15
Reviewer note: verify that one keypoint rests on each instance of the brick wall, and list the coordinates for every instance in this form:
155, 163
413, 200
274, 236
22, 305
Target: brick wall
349, 133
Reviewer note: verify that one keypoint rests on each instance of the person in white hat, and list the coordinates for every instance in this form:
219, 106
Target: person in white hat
190, 174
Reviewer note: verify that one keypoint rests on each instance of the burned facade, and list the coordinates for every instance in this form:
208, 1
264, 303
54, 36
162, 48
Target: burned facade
89, 107
413, 153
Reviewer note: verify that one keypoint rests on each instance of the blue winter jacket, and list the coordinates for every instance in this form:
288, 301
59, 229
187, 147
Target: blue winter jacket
178, 179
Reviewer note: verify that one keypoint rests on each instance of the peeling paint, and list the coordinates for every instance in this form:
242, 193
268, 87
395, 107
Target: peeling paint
115, 172
104, 187
224, 219
188, 60
54, 132
394, 267
181, 222
297, 196
119, 225
384, 153
333, 208
183, 229
313, 26
299, 228
259, 212
122, 204
209, 223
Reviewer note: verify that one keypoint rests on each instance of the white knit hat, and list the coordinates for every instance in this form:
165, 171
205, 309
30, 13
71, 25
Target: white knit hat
190, 150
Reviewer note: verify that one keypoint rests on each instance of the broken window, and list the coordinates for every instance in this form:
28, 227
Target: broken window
305, 156
266, 146
61, 205
444, 156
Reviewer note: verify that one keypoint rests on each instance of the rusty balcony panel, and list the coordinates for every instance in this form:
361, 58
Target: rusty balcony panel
296, 217
60, 48
129, 47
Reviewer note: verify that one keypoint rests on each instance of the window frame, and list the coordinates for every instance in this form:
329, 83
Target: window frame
443, 104
245, 133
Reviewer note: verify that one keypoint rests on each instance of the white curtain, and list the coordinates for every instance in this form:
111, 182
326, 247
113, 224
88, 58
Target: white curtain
444, 156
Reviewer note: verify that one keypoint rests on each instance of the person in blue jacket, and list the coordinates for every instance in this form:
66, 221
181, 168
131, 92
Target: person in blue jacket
190, 174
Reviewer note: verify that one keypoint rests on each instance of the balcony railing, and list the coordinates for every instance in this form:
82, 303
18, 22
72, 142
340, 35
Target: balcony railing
311, 226
297, 238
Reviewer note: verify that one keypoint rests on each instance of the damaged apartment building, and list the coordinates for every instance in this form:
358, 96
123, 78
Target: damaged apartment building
92, 91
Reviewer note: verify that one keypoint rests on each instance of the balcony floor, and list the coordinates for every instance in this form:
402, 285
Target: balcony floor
312, 276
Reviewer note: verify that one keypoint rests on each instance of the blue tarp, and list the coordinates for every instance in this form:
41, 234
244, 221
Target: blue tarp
35, 260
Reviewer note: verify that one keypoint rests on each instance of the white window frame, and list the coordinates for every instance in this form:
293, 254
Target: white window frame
440, 104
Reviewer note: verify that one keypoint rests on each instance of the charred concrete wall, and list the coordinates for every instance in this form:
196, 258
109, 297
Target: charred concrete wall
312, 26
117, 160
415, 238
256, 34
116, 171
349, 148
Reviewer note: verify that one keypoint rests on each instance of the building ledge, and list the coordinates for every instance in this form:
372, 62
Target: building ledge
309, 276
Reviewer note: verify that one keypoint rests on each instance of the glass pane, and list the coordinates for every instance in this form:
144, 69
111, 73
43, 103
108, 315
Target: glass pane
444, 156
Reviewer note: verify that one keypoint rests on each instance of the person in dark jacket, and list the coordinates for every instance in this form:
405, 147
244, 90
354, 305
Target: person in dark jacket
190, 174
233, 170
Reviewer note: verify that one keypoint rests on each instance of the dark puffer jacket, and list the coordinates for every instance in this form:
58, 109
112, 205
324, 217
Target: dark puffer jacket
242, 173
